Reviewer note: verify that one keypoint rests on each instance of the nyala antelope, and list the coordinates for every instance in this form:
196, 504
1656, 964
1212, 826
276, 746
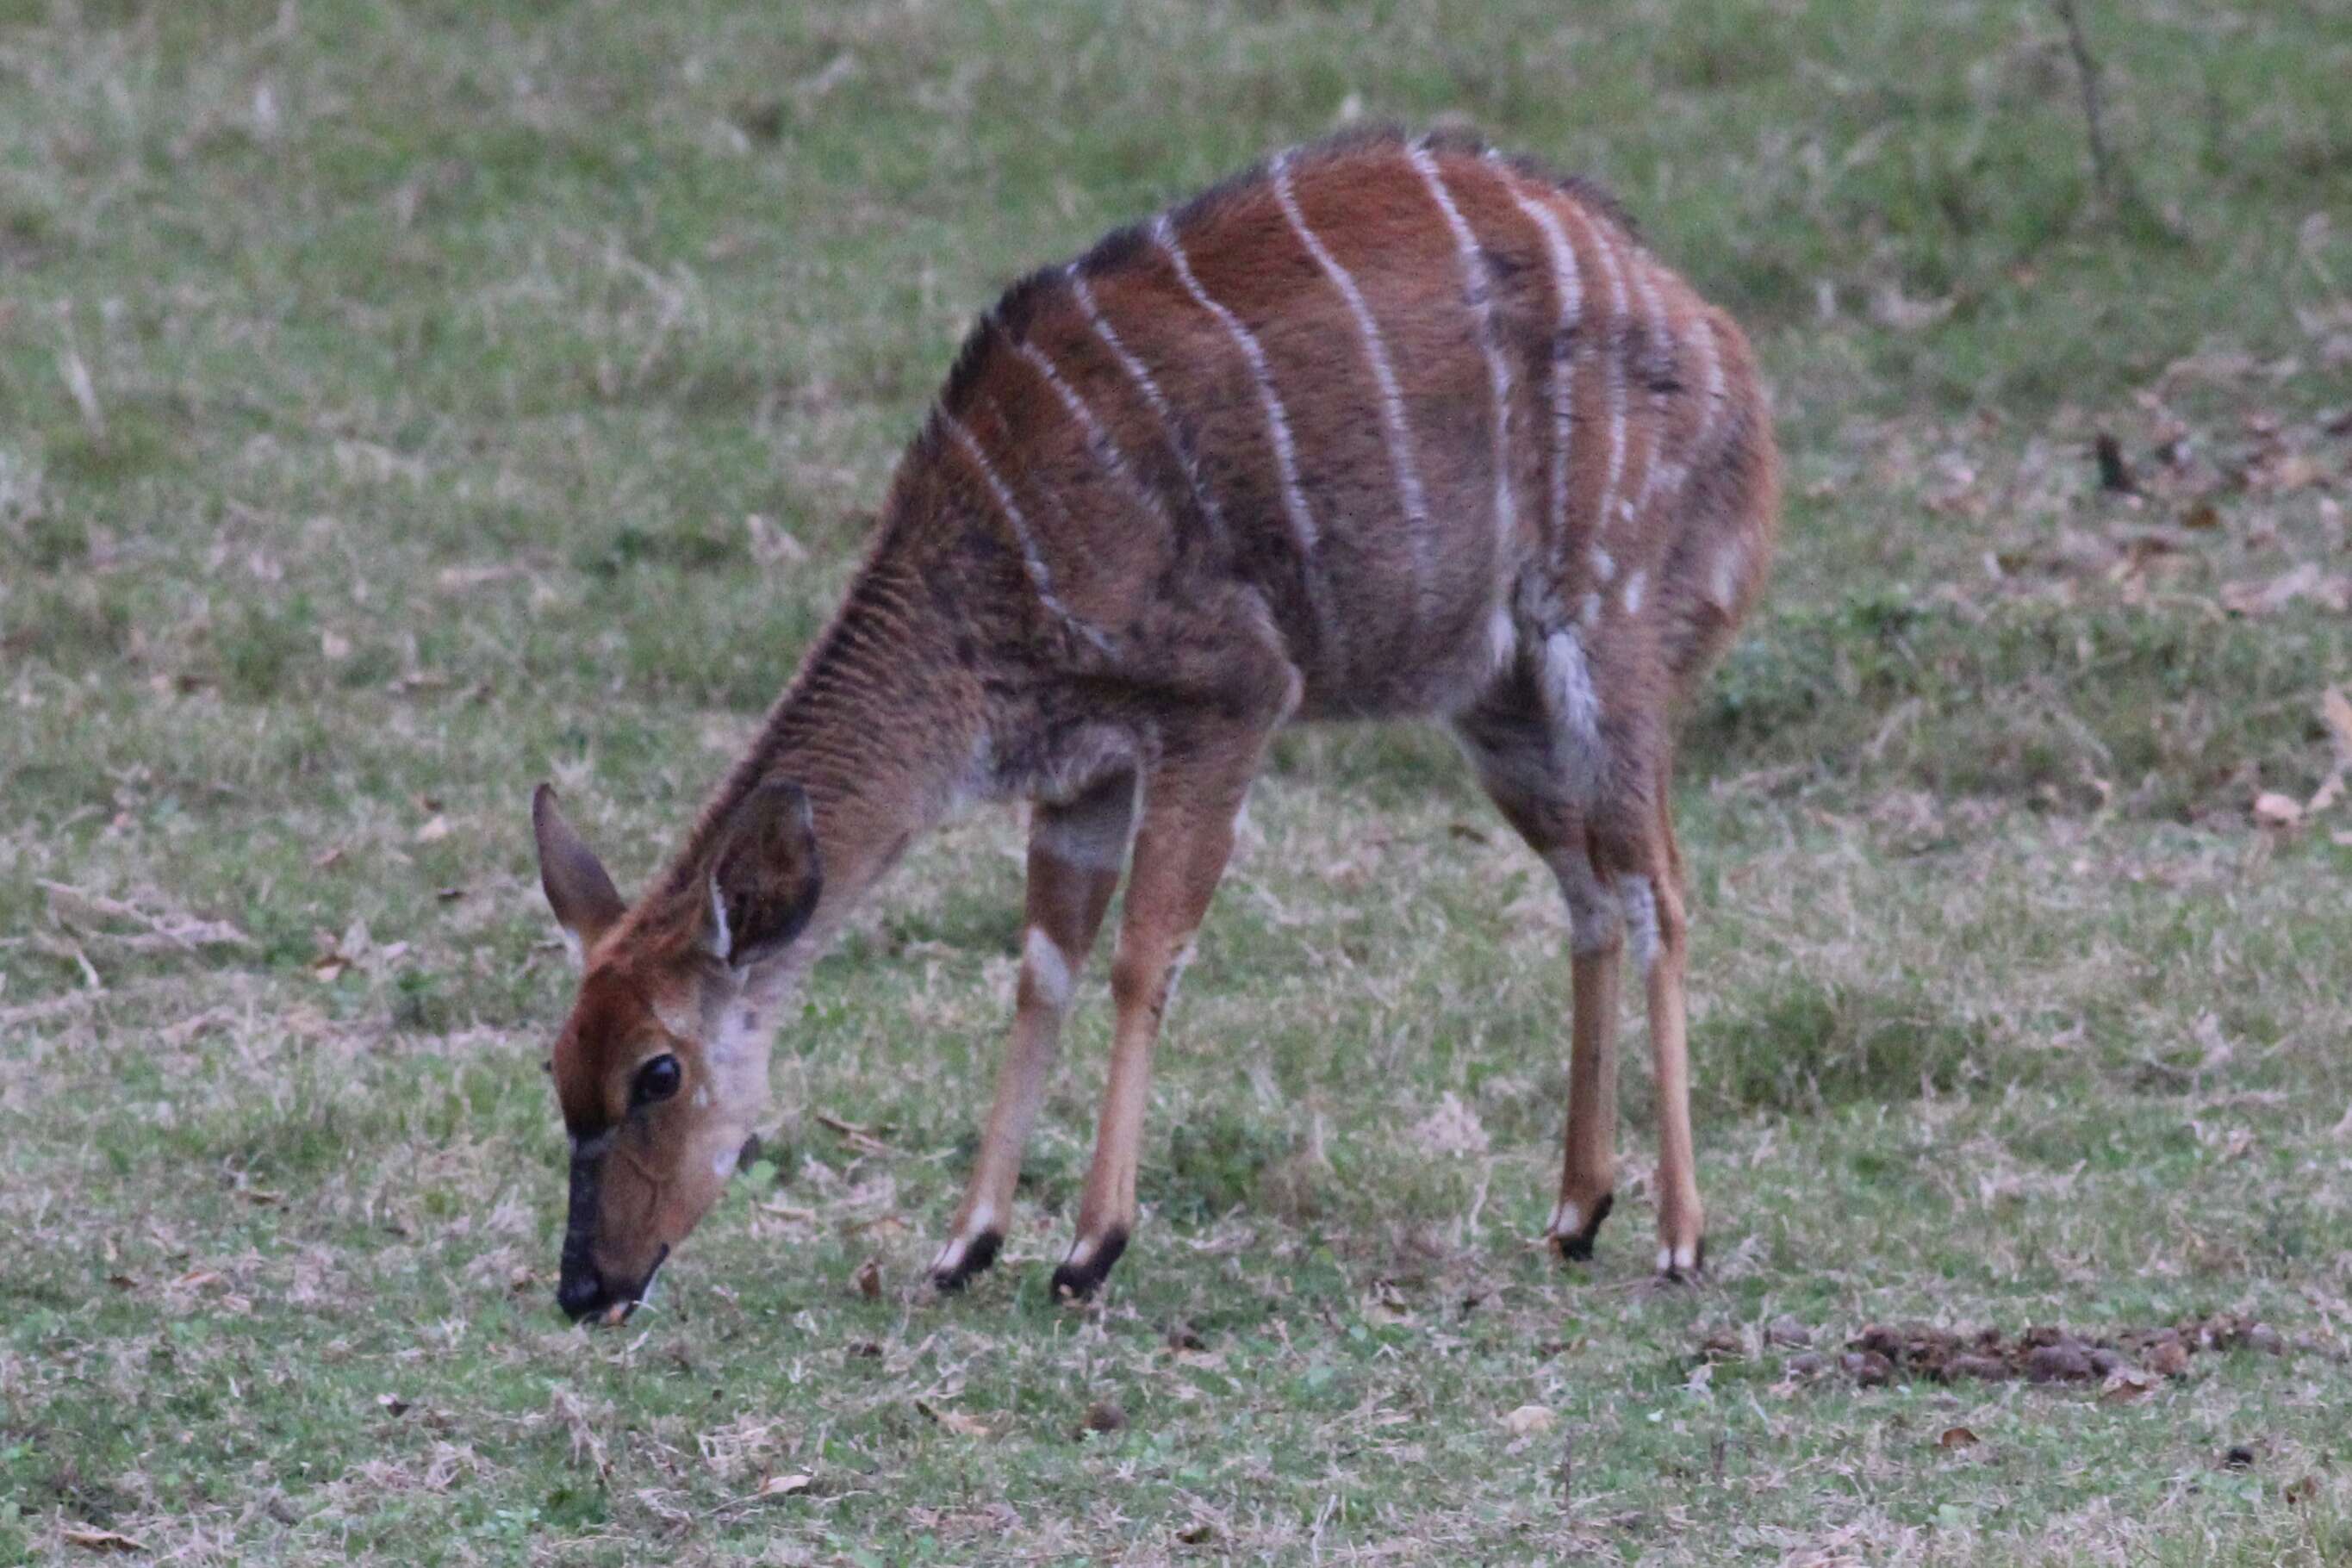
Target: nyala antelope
1382, 427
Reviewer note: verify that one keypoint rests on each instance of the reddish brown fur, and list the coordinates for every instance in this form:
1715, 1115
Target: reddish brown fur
1086, 605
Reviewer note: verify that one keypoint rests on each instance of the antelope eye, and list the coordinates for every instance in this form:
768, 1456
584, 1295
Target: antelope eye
657, 1079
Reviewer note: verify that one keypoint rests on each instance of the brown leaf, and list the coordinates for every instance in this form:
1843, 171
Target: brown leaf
435, 830
955, 1420
784, 1486
2272, 809
2337, 711
2126, 1385
90, 1538
1104, 1416
2301, 1491
2204, 515
1528, 1420
868, 1279
1958, 1437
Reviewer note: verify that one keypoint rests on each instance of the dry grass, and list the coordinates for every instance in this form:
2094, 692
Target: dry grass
383, 391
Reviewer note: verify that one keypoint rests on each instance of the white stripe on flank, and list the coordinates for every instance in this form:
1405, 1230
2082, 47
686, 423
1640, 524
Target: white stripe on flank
1614, 356
1294, 500
1152, 396
1376, 350
1097, 435
1476, 287
1039, 579
1711, 378
1568, 285
1653, 323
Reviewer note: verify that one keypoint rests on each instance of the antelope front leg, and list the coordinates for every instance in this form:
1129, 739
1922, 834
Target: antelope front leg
1074, 850
1587, 1168
1179, 853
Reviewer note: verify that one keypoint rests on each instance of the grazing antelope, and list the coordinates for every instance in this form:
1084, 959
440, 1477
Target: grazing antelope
1381, 429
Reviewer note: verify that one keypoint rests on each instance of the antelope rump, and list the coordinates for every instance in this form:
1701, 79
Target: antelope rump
1383, 428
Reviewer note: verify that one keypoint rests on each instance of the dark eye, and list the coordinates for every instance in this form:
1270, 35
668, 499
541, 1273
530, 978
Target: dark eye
657, 1079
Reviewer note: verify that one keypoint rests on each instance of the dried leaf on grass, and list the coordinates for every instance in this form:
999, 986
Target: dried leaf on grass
88, 912
784, 1486
954, 1420
91, 1539
1528, 1420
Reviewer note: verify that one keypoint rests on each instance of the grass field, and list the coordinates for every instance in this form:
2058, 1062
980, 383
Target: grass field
401, 404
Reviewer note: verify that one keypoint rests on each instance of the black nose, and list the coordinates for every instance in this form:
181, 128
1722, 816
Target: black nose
582, 1292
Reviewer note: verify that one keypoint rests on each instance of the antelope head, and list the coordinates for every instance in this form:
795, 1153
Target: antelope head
661, 1067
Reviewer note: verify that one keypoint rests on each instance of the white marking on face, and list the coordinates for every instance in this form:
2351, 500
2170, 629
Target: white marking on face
1633, 587
1041, 580
1049, 972
701, 1096
1476, 289
1376, 351
739, 1038
1304, 538
1568, 287
1641, 904
722, 940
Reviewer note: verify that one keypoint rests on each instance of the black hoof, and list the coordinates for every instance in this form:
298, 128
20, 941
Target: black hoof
1578, 1248
1077, 1282
1673, 1271
978, 1255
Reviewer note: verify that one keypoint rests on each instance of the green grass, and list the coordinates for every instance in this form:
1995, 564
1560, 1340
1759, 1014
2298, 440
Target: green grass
436, 354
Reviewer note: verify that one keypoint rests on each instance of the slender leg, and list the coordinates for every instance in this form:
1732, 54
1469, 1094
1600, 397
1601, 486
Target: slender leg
1075, 851
1654, 906
1587, 1172
1189, 802
1587, 1168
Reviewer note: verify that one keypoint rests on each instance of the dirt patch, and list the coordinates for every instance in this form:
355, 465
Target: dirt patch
2122, 1362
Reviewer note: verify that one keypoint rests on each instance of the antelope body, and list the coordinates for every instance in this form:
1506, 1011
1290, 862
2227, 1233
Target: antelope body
1381, 429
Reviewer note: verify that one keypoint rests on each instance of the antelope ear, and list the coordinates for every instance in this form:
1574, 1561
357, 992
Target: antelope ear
765, 879
583, 897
